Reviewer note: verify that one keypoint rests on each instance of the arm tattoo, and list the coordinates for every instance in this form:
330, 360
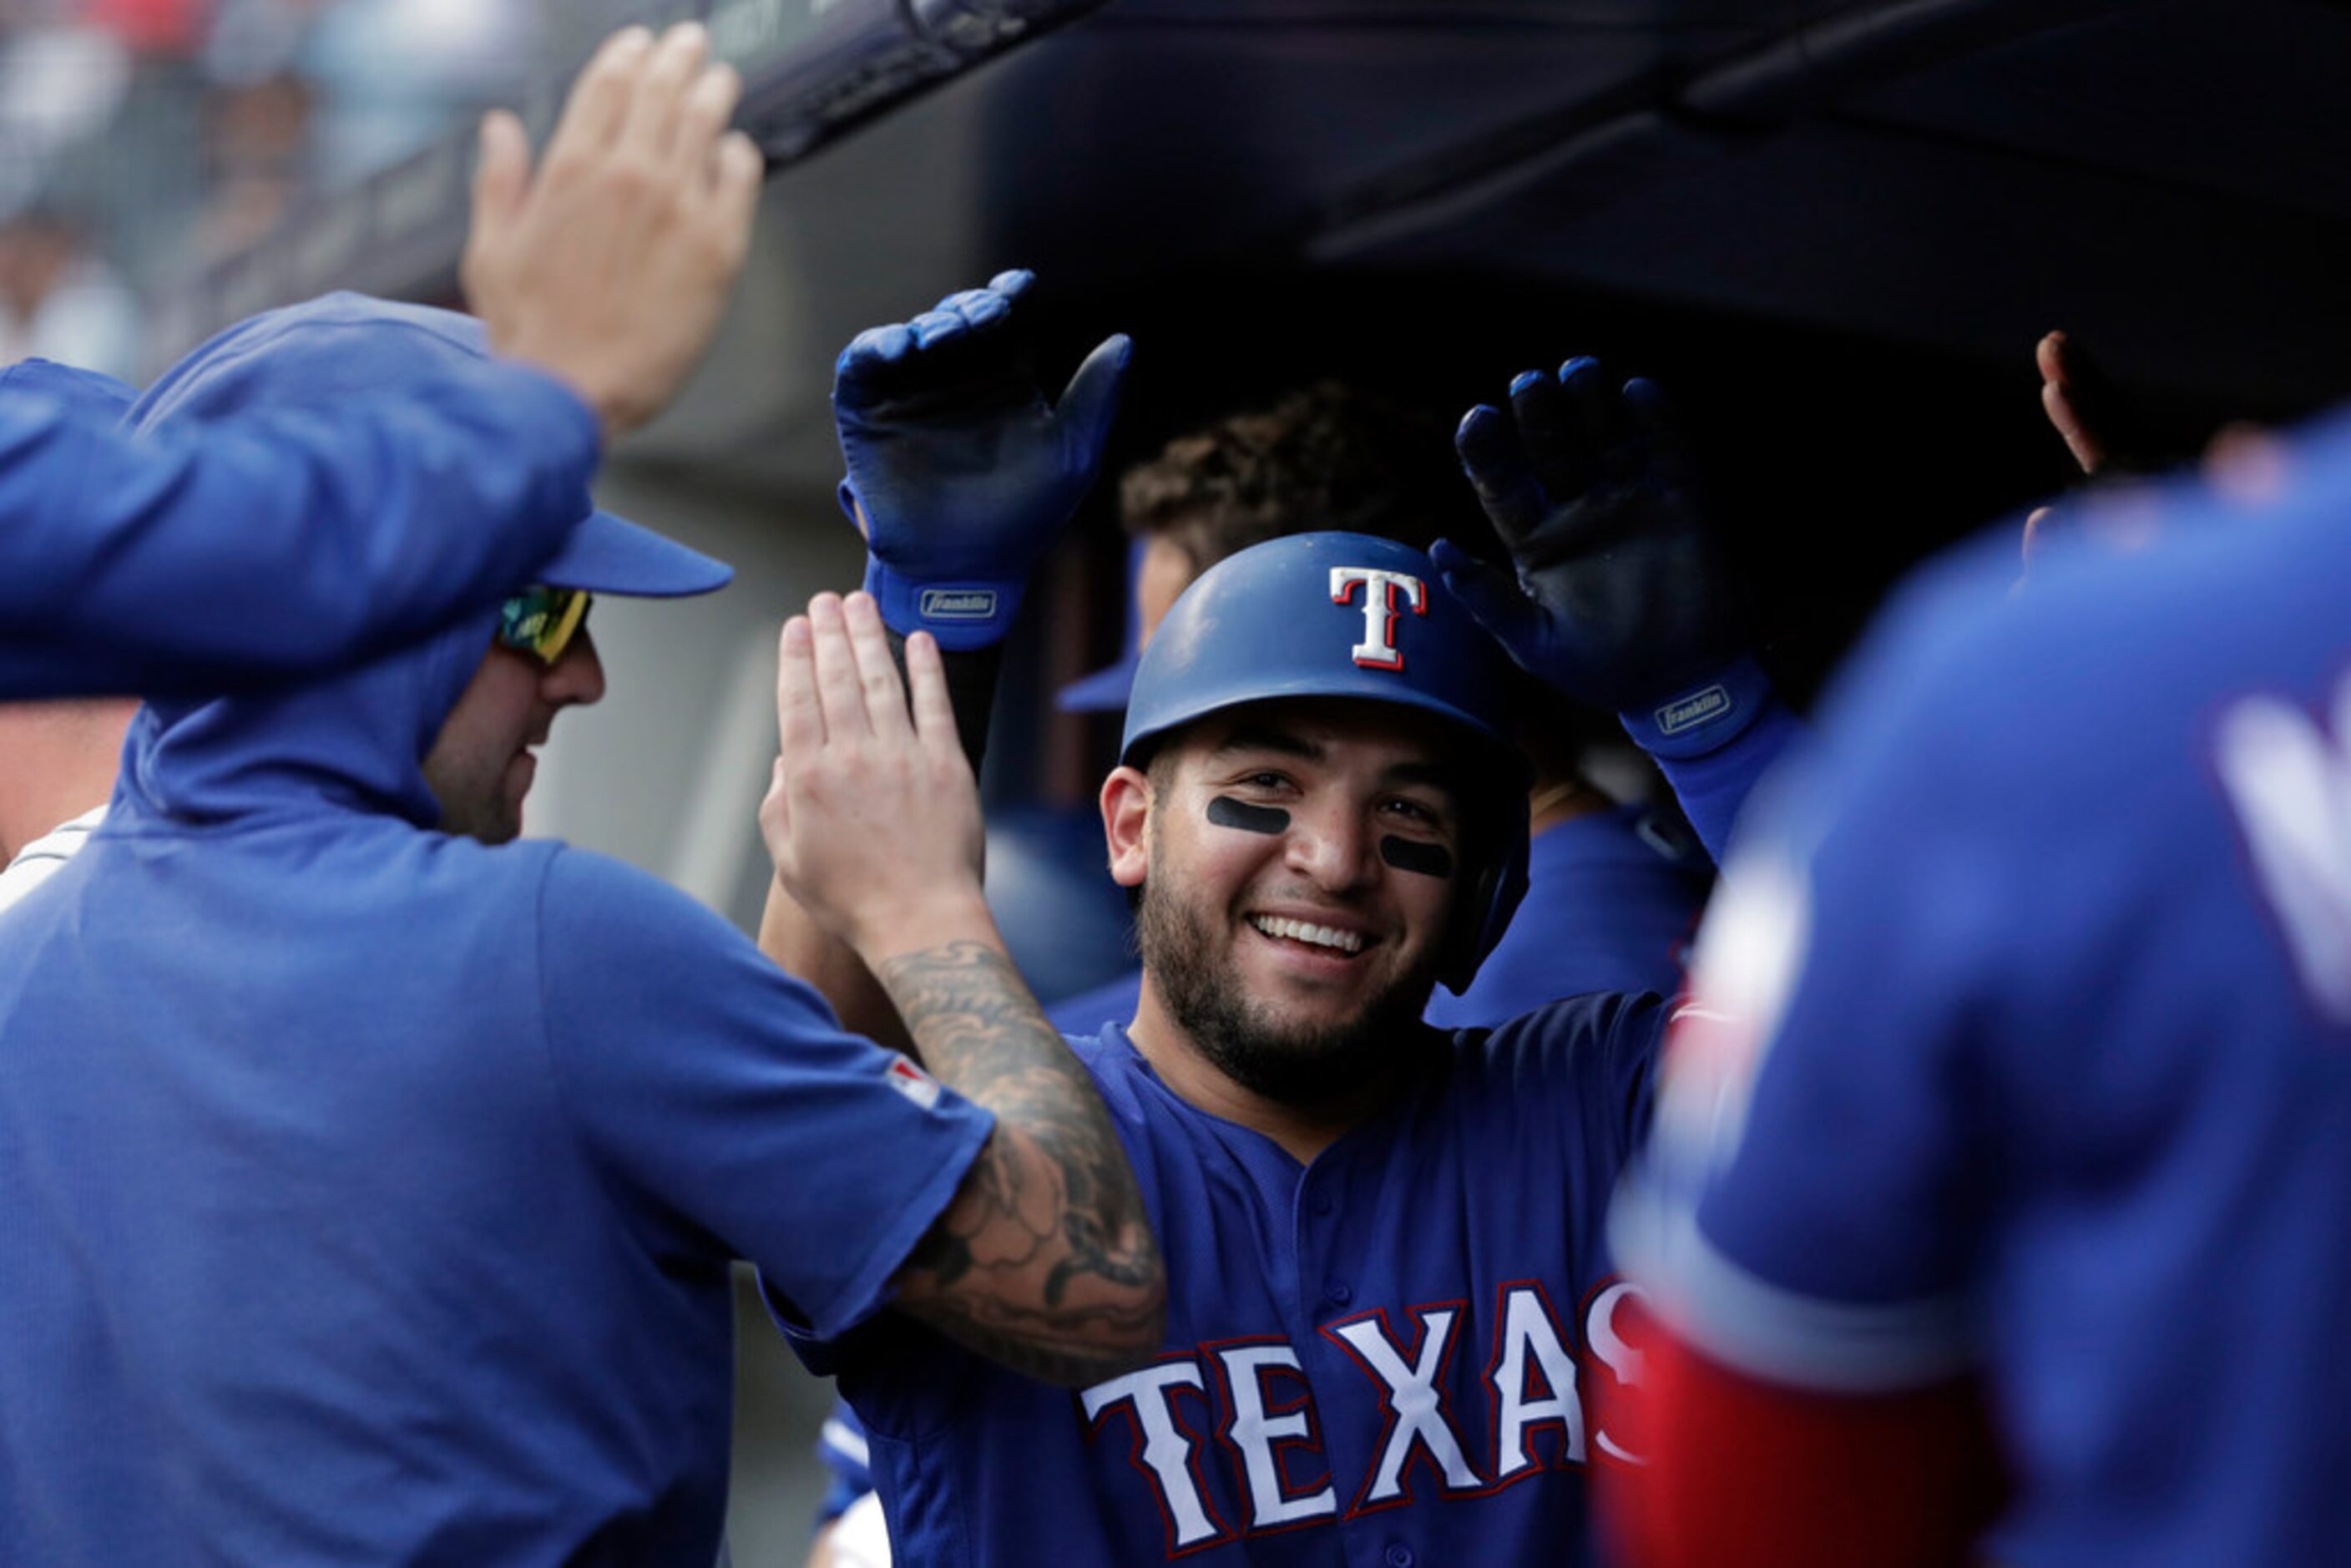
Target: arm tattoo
1045, 1260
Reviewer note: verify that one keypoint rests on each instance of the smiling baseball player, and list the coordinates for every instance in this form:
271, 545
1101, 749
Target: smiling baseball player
1393, 1322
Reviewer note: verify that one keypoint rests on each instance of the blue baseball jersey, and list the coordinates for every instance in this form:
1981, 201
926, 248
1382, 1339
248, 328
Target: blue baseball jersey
2022, 1040
1612, 900
1395, 1355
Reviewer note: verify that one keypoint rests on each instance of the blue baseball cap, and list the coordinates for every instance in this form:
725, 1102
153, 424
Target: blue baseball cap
1104, 690
345, 344
85, 392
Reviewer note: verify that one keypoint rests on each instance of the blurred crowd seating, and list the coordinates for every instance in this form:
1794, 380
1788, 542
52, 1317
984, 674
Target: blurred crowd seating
143, 140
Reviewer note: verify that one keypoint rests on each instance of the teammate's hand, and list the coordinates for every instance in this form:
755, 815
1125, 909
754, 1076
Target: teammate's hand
1621, 598
872, 817
2242, 462
959, 472
611, 268
2087, 411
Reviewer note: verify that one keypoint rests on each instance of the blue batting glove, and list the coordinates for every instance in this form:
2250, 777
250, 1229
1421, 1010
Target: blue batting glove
1620, 599
964, 474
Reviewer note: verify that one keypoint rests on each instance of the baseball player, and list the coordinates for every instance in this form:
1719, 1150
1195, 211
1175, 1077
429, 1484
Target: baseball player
285, 540
2011, 1132
1392, 1318
1613, 891
373, 1180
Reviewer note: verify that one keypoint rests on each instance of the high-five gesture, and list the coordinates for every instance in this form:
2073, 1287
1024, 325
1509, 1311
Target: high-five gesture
612, 266
872, 817
1045, 1258
960, 473
1621, 598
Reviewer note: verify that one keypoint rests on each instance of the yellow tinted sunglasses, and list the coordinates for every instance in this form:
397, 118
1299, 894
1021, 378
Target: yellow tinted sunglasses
543, 620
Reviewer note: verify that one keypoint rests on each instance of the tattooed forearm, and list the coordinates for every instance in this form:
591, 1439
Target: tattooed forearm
1045, 1260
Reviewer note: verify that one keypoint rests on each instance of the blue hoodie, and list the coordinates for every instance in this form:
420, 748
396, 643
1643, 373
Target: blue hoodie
276, 542
370, 1193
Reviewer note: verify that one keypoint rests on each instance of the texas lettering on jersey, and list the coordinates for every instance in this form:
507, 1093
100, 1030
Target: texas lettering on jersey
1243, 1409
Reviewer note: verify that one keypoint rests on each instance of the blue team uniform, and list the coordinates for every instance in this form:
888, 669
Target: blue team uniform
2036, 1053
371, 1193
1612, 898
189, 560
1389, 1356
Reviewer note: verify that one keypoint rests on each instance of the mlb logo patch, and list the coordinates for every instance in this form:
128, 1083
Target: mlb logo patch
914, 1083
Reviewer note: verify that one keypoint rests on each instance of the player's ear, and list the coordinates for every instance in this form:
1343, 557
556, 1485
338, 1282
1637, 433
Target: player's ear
1126, 819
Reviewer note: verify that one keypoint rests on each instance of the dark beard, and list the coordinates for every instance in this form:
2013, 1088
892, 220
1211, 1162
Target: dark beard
1300, 1069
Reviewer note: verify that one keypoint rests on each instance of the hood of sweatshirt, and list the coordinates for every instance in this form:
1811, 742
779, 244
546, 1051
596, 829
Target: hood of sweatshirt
355, 740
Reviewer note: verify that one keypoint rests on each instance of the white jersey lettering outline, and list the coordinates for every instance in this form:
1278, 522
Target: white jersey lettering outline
1611, 1350
1529, 1333
1417, 1415
1260, 1437
1164, 1451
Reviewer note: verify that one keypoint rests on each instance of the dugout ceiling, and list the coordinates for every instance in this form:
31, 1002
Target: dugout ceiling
1943, 178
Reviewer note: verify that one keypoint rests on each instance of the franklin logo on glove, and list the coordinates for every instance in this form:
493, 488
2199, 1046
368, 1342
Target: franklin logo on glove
1687, 712
957, 604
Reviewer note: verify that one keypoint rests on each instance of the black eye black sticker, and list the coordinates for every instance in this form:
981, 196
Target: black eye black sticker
1227, 812
1412, 854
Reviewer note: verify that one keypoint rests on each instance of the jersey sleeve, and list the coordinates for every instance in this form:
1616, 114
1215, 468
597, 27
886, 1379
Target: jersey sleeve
1804, 1212
203, 557
728, 1106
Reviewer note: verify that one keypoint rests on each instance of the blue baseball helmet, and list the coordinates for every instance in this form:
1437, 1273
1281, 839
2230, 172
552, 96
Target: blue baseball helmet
1351, 616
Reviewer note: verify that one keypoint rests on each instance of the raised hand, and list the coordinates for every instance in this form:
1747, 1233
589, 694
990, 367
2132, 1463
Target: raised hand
612, 268
872, 817
960, 474
1620, 598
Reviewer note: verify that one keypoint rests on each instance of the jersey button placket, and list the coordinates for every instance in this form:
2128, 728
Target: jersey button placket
1338, 1292
1397, 1555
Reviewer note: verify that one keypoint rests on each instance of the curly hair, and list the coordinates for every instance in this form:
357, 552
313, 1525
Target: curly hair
1329, 456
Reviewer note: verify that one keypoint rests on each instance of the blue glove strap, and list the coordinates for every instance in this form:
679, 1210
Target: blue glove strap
962, 615
1708, 714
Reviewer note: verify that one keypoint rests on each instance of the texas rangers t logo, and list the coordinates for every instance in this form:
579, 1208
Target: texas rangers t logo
1378, 651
